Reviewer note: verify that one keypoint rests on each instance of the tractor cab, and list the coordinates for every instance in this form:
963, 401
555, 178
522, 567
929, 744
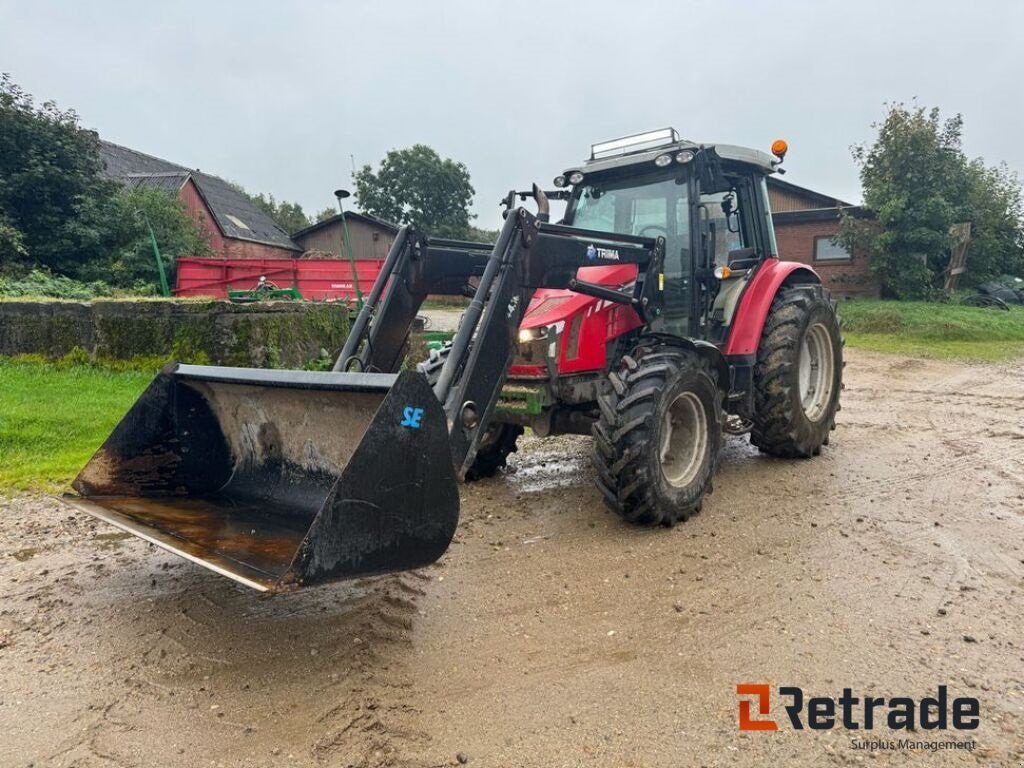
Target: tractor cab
708, 202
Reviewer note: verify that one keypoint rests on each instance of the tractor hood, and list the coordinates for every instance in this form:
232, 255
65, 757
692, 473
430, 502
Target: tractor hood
569, 330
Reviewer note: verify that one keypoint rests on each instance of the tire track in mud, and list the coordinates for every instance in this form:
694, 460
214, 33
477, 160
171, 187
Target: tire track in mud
961, 475
365, 730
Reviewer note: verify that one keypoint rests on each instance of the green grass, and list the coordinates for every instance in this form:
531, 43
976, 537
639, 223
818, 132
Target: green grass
942, 331
53, 417
446, 302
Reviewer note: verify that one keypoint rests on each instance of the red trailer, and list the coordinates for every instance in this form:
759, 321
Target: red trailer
316, 279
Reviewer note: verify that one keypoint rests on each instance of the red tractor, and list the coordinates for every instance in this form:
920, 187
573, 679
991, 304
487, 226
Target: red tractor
656, 316
742, 341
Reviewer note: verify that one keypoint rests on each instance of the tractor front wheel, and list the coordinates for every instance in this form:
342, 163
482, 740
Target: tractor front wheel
657, 440
493, 450
798, 375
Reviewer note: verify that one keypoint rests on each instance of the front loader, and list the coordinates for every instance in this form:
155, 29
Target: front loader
655, 317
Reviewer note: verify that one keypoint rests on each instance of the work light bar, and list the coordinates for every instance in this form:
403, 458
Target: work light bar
636, 142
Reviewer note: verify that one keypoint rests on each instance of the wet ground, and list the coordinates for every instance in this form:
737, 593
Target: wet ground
553, 635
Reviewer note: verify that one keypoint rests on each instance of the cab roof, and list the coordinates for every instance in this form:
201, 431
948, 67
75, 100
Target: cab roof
643, 148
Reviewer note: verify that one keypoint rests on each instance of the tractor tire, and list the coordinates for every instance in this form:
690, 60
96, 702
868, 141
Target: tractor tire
798, 375
657, 439
493, 451
497, 442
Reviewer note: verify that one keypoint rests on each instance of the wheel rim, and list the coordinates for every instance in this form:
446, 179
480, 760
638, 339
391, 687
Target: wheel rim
815, 371
684, 440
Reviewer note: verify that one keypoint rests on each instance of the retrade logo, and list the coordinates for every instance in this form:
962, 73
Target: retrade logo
853, 713
762, 693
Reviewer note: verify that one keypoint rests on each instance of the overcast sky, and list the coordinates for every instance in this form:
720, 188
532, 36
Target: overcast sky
278, 95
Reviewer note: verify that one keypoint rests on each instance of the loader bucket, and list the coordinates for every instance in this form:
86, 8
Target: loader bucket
280, 479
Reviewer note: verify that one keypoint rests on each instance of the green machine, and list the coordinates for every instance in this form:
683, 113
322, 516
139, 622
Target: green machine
264, 291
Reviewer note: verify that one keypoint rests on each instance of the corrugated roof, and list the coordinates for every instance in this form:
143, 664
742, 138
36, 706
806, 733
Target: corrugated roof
170, 182
236, 215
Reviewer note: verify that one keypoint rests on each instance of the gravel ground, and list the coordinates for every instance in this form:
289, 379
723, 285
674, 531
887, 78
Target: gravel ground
442, 318
551, 634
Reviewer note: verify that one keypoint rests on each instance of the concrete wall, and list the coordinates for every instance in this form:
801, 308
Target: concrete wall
281, 334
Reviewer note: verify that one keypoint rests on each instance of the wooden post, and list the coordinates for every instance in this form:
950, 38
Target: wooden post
961, 234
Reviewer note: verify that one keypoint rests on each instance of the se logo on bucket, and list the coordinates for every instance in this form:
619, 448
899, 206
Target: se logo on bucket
411, 417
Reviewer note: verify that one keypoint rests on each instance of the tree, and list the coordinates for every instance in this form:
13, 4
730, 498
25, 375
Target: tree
996, 212
288, 216
418, 186
58, 212
482, 235
326, 213
54, 204
134, 263
918, 183
12, 245
912, 177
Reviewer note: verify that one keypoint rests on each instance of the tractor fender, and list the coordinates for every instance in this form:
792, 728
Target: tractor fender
716, 359
705, 349
756, 301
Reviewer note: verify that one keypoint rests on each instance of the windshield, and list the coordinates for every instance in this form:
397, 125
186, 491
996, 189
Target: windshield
647, 207
657, 207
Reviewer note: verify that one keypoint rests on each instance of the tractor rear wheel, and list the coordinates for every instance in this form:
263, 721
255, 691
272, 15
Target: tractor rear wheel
657, 440
497, 442
798, 375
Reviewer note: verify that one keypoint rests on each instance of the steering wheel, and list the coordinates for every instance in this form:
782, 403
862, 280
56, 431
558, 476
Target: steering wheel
661, 230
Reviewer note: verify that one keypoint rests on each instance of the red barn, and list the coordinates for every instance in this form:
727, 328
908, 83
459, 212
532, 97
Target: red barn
237, 228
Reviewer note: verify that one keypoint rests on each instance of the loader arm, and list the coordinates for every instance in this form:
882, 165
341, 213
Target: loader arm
411, 271
529, 254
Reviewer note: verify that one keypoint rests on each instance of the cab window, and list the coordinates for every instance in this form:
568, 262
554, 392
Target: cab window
719, 225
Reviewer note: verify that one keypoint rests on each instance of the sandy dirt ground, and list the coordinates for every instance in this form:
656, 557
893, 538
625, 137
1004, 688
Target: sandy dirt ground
551, 634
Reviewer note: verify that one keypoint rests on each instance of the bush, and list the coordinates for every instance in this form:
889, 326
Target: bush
133, 264
41, 284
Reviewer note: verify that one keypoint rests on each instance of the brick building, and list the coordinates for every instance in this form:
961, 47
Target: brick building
236, 227
805, 223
